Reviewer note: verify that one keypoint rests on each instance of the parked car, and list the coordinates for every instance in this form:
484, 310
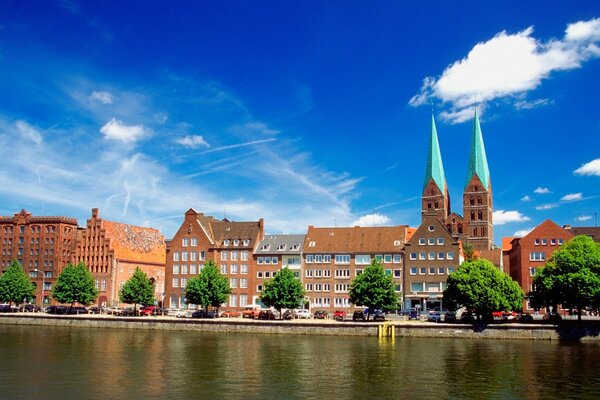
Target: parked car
320, 314
198, 314
358, 316
288, 314
526, 318
95, 310
126, 312
211, 314
149, 310
230, 314
180, 313
29, 308
434, 316
450, 317
266, 314
552, 318
251, 312
6, 308
378, 315
302, 313
59, 310
339, 315
76, 310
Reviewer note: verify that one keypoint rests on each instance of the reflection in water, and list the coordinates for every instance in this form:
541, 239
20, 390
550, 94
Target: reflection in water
57, 363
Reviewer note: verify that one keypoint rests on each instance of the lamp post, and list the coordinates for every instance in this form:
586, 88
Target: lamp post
43, 282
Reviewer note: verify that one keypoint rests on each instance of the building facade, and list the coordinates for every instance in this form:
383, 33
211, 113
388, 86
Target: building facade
112, 251
333, 257
43, 245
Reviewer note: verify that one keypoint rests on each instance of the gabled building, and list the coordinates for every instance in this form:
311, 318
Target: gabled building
273, 253
590, 231
333, 257
531, 252
113, 250
229, 244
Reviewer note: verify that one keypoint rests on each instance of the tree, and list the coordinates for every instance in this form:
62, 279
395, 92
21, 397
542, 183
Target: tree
468, 251
482, 288
283, 291
75, 284
571, 277
374, 289
15, 286
137, 290
210, 288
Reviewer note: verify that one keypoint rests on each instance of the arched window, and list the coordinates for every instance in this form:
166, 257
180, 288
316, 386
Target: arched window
475, 232
472, 201
429, 205
479, 215
472, 215
460, 228
478, 199
436, 204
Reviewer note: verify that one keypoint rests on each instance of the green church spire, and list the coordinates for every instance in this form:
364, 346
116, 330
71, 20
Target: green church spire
477, 159
435, 168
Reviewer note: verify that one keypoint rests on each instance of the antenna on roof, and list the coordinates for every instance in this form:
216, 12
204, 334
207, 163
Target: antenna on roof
335, 223
225, 213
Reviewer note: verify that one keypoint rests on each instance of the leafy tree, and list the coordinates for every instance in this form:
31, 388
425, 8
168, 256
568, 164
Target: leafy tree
482, 288
374, 289
137, 290
571, 277
283, 291
209, 288
15, 286
75, 284
468, 251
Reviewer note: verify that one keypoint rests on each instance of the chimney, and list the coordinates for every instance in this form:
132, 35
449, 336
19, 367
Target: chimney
94, 213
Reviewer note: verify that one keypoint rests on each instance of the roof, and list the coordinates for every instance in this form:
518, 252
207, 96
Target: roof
372, 240
543, 229
135, 242
478, 164
410, 232
507, 243
591, 231
281, 244
220, 230
435, 168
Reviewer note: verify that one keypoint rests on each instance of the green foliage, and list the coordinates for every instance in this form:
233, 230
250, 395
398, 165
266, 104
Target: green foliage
481, 287
75, 284
571, 277
210, 288
15, 286
283, 291
137, 290
374, 289
468, 251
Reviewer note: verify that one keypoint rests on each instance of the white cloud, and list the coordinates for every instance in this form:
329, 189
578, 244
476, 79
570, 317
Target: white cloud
522, 232
193, 141
584, 218
371, 220
526, 198
541, 190
572, 197
102, 97
28, 132
590, 168
507, 67
253, 128
117, 130
546, 206
528, 105
501, 217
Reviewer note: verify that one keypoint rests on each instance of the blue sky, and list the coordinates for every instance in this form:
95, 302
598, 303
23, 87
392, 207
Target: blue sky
303, 113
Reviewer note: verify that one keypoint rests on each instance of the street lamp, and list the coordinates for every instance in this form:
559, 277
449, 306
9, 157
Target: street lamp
43, 282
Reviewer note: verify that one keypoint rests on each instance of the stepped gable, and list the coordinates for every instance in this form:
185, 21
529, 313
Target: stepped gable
135, 242
355, 239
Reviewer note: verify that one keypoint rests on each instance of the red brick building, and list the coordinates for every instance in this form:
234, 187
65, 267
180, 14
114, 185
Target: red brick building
112, 251
531, 252
43, 245
229, 244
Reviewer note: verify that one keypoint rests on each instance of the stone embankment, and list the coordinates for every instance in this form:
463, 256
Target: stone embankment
588, 332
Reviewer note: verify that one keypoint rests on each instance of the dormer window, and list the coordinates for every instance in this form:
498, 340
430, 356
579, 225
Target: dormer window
295, 247
265, 247
236, 242
246, 242
312, 244
281, 247
226, 242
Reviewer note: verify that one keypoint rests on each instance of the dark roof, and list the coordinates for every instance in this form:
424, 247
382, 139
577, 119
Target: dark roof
591, 231
281, 244
356, 240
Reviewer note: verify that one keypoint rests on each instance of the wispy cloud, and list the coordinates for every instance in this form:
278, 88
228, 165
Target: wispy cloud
193, 141
549, 206
28, 132
102, 97
372, 220
117, 130
572, 197
238, 145
526, 198
590, 168
542, 190
583, 218
501, 217
507, 67
522, 232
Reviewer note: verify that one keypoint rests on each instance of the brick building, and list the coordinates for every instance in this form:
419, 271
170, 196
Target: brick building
112, 251
229, 244
529, 253
43, 245
333, 257
591, 231
273, 253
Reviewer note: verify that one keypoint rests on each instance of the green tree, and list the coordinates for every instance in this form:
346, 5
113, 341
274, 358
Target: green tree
137, 290
209, 288
15, 286
75, 284
374, 289
468, 251
482, 288
283, 291
571, 277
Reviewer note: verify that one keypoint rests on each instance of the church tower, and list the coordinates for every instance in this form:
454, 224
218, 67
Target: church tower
477, 196
435, 198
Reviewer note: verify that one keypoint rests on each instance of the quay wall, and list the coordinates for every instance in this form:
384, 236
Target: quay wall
313, 327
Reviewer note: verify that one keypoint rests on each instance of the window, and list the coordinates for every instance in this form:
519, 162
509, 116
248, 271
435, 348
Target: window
226, 242
544, 242
243, 300
327, 258
342, 273
397, 258
268, 274
450, 255
223, 268
440, 241
560, 242
387, 258
274, 260
175, 269
295, 247
553, 242
233, 269
260, 260
202, 256
362, 259
175, 282
243, 268
326, 273
532, 271
308, 273
413, 270
422, 271
259, 274
243, 283
342, 258
379, 258
244, 255
259, 288
416, 286
318, 258
267, 260
281, 247
318, 273
422, 256
537, 242
224, 255
184, 256
441, 271
432, 287
194, 241
193, 256
193, 269
309, 287
246, 242
312, 243
185, 242
450, 270
422, 242
537, 256
432, 255
183, 282
310, 258
431, 241
234, 255
431, 270
233, 299
176, 256
397, 273
236, 242
413, 256
233, 282
184, 269
357, 272
441, 255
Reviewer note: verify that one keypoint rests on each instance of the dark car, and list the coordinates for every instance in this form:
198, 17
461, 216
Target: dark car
378, 315
450, 317
95, 310
320, 314
6, 308
288, 314
526, 318
59, 310
358, 316
76, 310
410, 314
552, 318
434, 316
266, 314
198, 314
30, 308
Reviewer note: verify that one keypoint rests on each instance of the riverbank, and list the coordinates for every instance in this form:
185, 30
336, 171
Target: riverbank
512, 331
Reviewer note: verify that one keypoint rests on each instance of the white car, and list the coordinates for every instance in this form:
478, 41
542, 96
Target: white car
304, 314
181, 313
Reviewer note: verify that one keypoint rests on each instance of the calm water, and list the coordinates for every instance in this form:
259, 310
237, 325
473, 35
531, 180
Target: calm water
75, 363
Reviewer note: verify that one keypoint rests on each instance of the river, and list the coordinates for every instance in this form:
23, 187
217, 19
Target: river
81, 363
